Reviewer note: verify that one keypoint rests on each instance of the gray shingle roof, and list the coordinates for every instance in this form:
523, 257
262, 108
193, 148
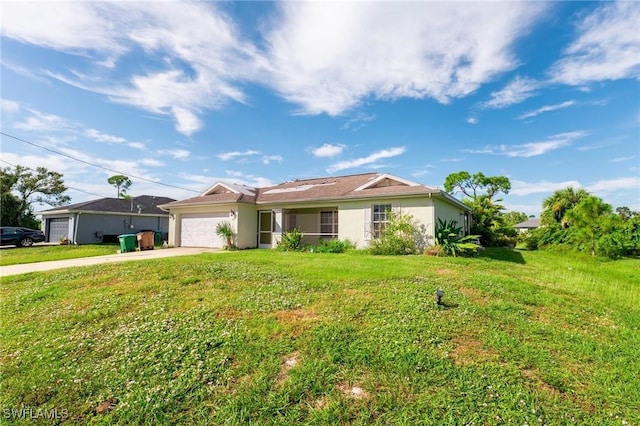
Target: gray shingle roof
147, 204
531, 223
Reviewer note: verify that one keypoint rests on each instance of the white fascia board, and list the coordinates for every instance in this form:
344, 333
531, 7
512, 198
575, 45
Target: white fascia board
384, 176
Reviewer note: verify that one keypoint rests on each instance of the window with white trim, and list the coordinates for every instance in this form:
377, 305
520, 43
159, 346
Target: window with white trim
329, 223
380, 217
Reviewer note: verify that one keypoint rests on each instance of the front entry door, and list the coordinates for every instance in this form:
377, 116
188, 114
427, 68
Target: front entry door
265, 226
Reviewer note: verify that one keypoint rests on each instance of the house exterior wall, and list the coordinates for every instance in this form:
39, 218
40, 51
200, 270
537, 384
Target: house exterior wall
354, 217
246, 226
448, 212
90, 228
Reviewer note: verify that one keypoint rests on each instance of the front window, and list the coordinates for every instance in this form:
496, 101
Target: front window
380, 218
329, 223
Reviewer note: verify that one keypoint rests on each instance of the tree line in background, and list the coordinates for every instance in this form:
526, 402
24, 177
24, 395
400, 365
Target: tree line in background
570, 219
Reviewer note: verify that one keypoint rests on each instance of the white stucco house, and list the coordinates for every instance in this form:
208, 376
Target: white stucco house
344, 207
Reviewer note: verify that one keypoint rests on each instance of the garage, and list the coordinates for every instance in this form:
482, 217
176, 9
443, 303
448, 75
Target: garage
199, 230
58, 229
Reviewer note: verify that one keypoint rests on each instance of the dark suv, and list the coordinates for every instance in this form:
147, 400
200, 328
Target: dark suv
21, 237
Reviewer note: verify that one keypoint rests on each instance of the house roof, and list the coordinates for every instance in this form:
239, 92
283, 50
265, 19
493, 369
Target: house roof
531, 223
367, 185
143, 204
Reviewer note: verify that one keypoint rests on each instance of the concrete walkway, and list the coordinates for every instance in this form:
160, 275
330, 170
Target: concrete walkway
5, 271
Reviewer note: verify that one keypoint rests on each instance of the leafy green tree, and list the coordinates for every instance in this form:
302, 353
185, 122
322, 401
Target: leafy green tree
122, 184
22, 186
486, 212
478, 184
590, 219
513, 218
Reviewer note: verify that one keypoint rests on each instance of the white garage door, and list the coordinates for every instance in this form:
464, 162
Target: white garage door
58, 228
199, 230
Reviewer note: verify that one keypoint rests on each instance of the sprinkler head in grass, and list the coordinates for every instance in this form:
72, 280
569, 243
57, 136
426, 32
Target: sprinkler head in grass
439, 294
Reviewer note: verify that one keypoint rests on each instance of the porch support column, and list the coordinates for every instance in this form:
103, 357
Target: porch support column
278, 226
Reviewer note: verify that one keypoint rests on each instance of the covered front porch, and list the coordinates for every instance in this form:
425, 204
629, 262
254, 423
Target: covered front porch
318, 223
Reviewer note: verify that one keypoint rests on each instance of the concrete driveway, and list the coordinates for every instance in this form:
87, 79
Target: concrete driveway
5, 271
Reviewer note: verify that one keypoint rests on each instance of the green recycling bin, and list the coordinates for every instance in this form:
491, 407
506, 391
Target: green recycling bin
157, 238
127, 242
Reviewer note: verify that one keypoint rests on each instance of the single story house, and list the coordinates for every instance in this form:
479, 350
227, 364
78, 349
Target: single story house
101, 221
527, 225
342, 207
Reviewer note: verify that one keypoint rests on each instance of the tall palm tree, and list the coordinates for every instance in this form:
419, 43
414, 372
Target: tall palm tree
559, 203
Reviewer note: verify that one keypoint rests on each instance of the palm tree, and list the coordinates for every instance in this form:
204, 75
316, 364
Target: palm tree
559, 203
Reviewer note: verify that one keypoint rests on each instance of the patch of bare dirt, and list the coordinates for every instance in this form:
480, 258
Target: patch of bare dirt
353, 391
475, 295
469, 349
297, 320
288, 362
106, 406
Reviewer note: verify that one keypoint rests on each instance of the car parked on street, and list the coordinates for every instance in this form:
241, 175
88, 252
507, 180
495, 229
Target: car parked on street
21, 237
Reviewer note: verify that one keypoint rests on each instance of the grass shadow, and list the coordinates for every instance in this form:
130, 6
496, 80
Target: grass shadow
502, 254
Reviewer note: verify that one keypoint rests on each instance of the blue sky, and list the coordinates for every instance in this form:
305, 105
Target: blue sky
181, 95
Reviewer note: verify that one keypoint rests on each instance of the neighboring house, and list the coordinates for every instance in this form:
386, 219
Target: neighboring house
101, 221
344, 207
527, 225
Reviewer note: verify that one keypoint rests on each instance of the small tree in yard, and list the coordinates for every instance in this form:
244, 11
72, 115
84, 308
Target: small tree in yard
224, 230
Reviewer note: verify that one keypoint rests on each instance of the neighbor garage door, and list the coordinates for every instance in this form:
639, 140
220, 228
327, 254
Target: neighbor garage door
58, 228
199, 230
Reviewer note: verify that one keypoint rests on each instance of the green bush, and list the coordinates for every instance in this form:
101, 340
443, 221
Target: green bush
333, 246
401, 236
291, 241
448, 237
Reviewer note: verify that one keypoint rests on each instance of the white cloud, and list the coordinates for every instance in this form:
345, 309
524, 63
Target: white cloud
611, 185
267, 159
138, 145
328, 150
607, 47
546, 108
367, 161
520, 188
388, 50
41, 122
177, 154
152, 162
473, 120
8, 107
358, 121
103, 137
515, 92
623, 159
225, 156
205, 60
532, 149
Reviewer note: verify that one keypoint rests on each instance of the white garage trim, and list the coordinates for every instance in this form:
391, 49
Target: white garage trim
199, 229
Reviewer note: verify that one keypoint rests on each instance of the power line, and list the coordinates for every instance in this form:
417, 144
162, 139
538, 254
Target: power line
68, 187
96, 165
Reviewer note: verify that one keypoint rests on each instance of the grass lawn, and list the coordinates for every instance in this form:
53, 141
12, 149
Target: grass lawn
15, 256
273, 338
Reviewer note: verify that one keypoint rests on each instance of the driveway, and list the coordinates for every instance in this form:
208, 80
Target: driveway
5, 271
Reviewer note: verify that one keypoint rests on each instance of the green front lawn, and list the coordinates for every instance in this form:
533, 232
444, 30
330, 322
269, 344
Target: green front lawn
267, 337
16, 256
